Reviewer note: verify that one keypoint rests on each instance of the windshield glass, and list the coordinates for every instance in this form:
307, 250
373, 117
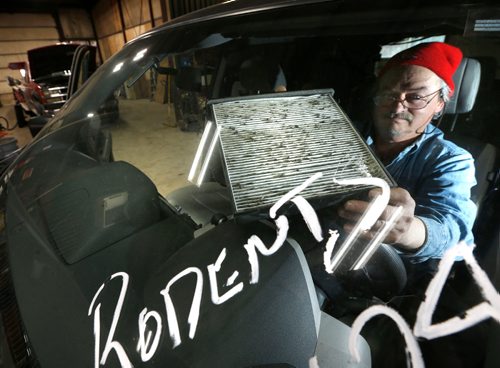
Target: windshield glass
285, 153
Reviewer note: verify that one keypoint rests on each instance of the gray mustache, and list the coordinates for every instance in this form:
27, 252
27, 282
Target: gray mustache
401, 115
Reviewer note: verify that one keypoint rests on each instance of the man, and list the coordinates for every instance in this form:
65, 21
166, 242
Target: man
434, 175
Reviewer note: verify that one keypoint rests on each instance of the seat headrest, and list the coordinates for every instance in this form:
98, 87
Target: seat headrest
466, 80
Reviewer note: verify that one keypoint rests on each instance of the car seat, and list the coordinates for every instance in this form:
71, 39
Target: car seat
467, 79
486, 193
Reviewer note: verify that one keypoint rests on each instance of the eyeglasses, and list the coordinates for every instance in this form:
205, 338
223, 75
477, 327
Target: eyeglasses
411, 101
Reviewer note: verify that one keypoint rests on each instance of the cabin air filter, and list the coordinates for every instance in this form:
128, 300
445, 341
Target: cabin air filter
270, 144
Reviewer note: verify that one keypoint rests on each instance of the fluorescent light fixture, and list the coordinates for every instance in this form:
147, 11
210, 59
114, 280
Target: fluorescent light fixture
201, 147
208, 156
388, 51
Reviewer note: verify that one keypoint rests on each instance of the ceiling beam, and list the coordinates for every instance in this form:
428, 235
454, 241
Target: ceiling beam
43, 6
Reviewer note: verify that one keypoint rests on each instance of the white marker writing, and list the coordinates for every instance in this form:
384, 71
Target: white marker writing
232, 278
423, 325
489, 308
110, 343
310, 217
150, 322
288, 196
377, 239
313, 362
212, 276
377, 206
368, 219
194, 312
367, 314
254, 242
330, 245
308, 214
144, 342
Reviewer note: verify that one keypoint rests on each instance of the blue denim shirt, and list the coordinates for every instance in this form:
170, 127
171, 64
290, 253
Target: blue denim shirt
439, 176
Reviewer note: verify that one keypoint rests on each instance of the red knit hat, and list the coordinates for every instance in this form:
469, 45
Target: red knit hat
439, 57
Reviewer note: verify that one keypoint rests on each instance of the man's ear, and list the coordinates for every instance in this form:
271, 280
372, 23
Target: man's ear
438, 112
440, 106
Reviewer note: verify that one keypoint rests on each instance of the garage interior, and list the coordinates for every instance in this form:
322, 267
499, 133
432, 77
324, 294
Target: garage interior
108, 25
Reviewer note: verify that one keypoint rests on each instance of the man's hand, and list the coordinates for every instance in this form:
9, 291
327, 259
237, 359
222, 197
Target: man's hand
408, 232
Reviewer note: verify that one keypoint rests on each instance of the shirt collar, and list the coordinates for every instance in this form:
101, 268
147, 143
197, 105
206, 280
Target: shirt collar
430, 132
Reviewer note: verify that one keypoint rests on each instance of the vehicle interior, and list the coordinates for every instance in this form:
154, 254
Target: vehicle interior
79, 212
349, 64
336, 64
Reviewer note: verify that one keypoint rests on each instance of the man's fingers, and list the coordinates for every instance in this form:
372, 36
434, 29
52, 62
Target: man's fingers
356, 206
368, 235
400, 197
352, 210
387, 213
348, 215
374, 193
349, 227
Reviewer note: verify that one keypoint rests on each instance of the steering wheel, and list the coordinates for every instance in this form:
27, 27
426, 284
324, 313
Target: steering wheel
386, 266
383, 277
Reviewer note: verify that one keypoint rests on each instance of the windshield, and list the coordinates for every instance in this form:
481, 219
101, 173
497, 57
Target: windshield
279, 151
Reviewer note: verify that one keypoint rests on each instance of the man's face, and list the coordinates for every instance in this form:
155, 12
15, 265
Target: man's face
393, 121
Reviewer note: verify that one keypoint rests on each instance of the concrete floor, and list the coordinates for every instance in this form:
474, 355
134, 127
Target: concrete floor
146, 137
23, 135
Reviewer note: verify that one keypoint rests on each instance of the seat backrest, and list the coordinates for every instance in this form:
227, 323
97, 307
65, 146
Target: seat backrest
467, 78
484, 155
